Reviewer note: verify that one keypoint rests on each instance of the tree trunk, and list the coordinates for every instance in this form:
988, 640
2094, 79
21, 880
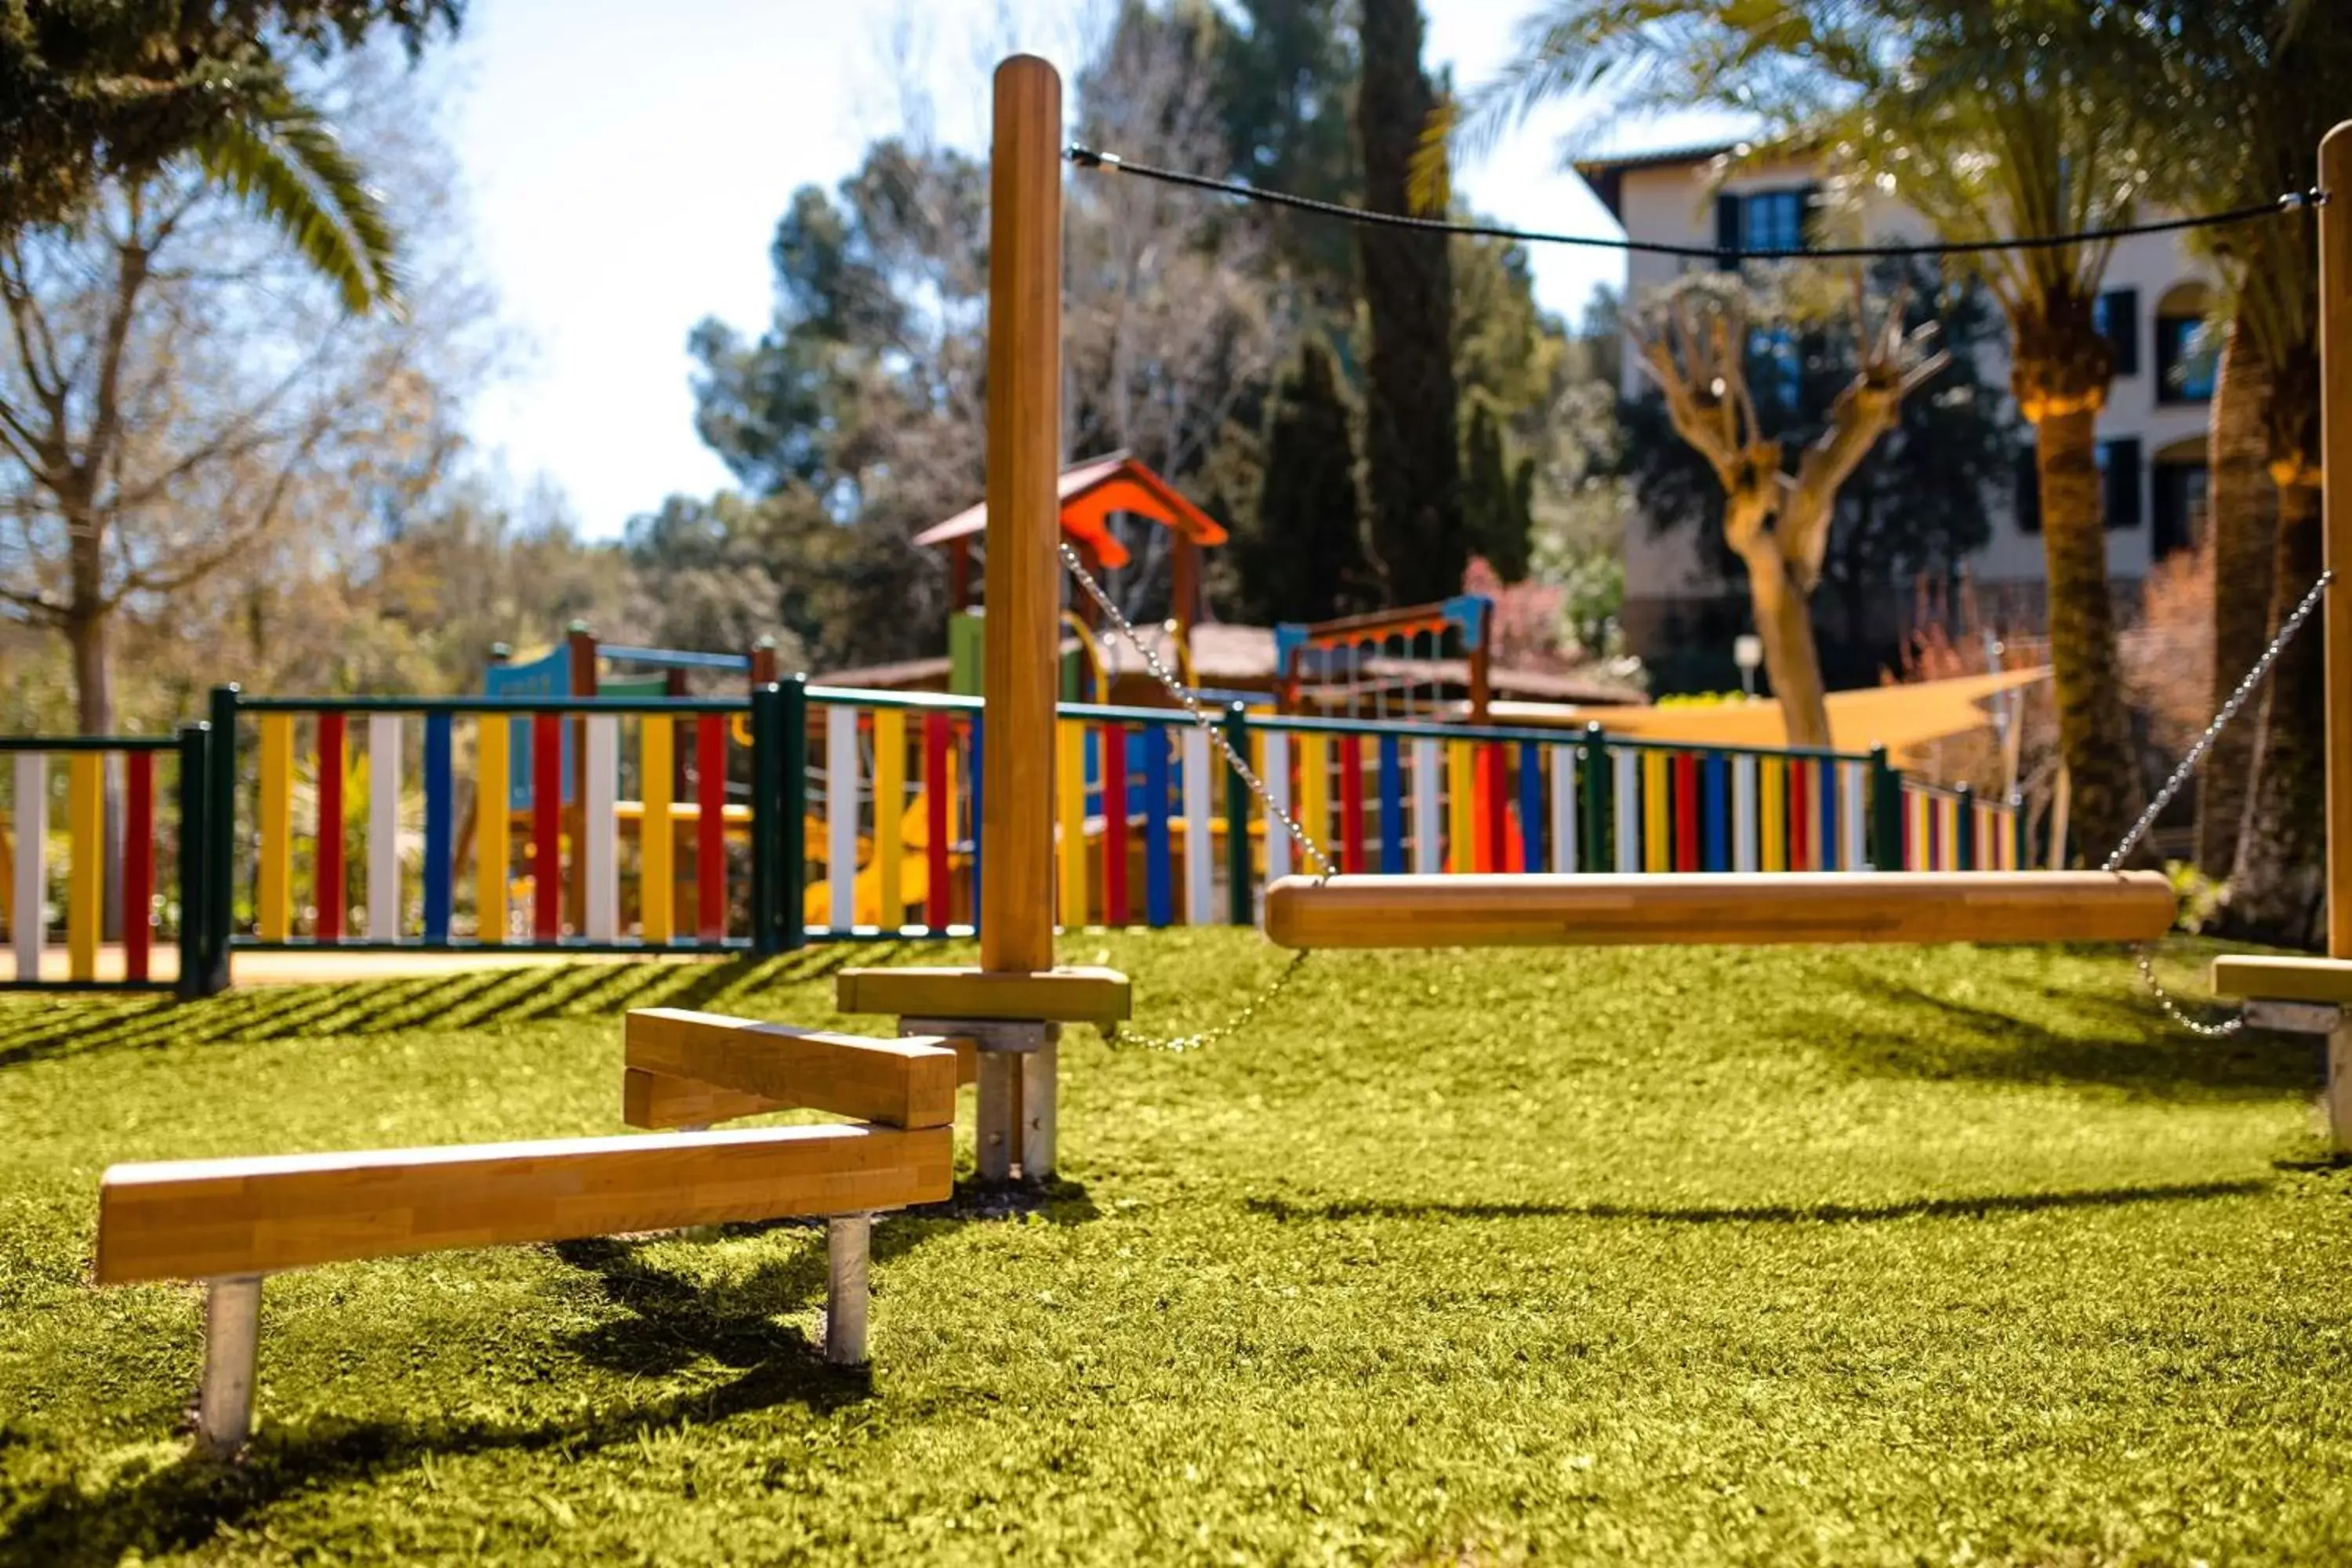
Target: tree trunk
2278, 890
1784, 623
2093, 727
2241, 535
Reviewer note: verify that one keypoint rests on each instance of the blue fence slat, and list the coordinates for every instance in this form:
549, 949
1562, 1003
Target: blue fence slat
440, 858
1391, 805
1159, 859
1717, 772
1531, 804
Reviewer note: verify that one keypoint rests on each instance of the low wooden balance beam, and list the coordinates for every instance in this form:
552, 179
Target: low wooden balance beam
1737, 909
2302, 996
229, 1223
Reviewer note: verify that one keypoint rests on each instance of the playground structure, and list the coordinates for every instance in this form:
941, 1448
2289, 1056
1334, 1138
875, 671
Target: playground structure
1387, 661
229, 1222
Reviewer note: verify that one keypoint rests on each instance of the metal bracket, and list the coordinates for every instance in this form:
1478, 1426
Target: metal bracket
1011, 1037
2294, 1017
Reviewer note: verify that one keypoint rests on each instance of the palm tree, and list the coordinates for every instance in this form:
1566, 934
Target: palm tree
2249, 86
1989, 118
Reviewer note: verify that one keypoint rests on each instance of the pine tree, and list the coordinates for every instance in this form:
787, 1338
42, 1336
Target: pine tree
1303, 559
1417, 534
1497, 499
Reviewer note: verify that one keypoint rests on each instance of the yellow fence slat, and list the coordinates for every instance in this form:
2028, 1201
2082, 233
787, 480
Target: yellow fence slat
1461, 806
1772, 807
490, 828
85, 881
1070, 811
656, 878
890, 813
275, 902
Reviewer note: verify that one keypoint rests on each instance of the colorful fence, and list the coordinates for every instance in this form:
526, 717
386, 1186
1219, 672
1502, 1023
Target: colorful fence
1953, 830
81, 845
813, 813
484, 822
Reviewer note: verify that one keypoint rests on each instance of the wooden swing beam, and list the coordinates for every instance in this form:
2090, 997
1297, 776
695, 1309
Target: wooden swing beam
1614, 910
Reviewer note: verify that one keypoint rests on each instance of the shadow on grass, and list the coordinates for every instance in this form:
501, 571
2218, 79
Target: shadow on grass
1981, 1206
506, 996
672, 1324
2104, 1041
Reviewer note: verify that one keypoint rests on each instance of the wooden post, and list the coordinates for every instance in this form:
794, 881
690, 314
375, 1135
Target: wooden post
1024, 433
2336, 469
1022, 624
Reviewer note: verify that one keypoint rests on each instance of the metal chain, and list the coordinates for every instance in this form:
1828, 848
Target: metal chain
2144, 954
1311, 852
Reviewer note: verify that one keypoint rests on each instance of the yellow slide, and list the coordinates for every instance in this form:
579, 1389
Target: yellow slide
914, 869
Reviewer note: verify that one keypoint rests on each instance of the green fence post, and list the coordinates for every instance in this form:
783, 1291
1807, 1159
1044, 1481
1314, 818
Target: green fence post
1594, 759
220, 839
791, 832
1886, 812
195, 759
1964, 831
767, 798
1239, 895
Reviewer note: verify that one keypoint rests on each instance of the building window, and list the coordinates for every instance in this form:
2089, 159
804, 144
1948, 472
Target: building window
2028, 491
1777, 368
2178, 521
2119, 480
2184, 367
2116, 314
1763, 220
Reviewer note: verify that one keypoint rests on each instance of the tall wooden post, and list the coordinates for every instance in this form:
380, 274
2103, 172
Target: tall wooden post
1024, 438
2336, 471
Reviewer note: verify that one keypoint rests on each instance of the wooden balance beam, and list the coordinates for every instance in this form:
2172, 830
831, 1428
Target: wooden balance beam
1741, 909
230, 1222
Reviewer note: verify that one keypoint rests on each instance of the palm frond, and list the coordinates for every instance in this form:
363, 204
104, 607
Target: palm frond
285, 162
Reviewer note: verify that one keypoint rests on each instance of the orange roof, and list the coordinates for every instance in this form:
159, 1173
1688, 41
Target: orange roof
1090, 491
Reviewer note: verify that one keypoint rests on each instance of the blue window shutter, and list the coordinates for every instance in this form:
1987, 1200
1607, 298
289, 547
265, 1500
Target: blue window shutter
2028, 491
2119, 313
1727, 229
2119, 468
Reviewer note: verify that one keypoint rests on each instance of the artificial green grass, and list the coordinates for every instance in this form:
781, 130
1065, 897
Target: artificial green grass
1891, 1256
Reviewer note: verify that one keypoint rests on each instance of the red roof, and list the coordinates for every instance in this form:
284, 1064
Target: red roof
1091, 492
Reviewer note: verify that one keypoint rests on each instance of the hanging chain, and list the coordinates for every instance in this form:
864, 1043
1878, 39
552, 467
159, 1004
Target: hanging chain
2144, 954
1309, 851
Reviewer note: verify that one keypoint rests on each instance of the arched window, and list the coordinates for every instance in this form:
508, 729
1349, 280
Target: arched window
2185, 361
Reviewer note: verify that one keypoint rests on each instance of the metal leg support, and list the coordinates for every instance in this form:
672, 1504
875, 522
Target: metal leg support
993, 1129
2339, 1088
232, 1356
847, 1242
1040, 1091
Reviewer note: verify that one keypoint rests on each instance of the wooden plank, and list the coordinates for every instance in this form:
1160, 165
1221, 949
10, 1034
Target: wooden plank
2336, 519
2279, 978
197, 1219
656, 1099
1070, 820
1709, 907
1023, 468
900, 1081
1076, 994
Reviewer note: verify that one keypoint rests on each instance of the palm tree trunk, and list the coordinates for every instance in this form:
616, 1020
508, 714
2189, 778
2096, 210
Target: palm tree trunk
2241, 535
2277, 891
2094, 729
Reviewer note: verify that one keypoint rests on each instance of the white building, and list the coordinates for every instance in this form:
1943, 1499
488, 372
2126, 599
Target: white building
2152, 432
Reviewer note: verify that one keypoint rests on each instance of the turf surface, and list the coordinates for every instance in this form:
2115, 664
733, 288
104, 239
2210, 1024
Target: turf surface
1905, 1257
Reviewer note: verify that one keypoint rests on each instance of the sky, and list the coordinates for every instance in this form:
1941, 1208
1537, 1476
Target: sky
624, 167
